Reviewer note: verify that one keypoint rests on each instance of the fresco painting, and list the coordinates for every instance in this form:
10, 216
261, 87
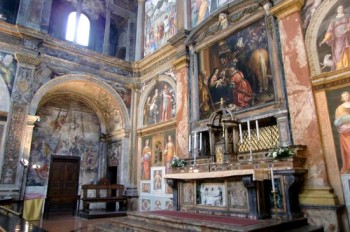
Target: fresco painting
160, 23
157, 151
201, 9
67, 127
339, 110
114, 151
160, 104
308, 11
8, 66
333, 38
236, 70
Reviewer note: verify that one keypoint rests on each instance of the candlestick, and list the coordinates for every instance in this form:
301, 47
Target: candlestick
200, 141
257, 129
272, 181
189, 143
240, 133
248, 124
195, 140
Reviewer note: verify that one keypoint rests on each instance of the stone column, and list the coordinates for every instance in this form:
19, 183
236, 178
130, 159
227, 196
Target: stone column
127, 45
77, 19
133, 135
194, 86
283, 129
301, 102
140, 30
107, 29
181, 67
26, 145
187, 14
17, 118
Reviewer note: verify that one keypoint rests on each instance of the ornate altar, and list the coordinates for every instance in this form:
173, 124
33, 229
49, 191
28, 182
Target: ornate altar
235, 183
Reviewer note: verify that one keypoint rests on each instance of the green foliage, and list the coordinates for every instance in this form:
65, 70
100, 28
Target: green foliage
281, 152
176, 162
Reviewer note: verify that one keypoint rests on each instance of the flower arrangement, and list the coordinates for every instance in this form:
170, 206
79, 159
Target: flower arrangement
177, 162
281, 152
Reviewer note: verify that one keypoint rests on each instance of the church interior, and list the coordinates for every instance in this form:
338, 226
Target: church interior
206, 110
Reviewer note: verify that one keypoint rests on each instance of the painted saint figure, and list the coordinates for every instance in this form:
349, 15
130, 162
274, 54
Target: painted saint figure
342, 122
166, 106
146, 161
169, 151
338, 38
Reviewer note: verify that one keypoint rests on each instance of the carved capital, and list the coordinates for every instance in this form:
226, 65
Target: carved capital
287, 8
27, 59
181, 62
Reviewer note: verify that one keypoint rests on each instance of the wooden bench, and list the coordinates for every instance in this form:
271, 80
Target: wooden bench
112, 193
50, 201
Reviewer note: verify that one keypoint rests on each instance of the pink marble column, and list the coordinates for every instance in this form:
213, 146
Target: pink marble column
182, 107
301, 102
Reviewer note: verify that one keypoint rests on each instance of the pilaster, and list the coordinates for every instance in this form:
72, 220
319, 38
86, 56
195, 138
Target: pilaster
301, 102
140, 30
17, 132
181, 66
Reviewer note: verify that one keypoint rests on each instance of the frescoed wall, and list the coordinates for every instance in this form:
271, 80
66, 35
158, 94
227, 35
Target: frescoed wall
200, 9
339, 110
236, 70
8, 66
157, 150
70, 128
333, 38
160, 104
160, 23
308, 11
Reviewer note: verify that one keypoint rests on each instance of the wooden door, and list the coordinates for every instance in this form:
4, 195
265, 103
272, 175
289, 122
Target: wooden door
63, 182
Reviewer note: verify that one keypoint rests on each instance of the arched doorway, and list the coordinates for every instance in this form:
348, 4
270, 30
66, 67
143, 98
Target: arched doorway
80, 117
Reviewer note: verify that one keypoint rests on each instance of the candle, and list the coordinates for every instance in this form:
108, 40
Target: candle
195, 140
272, 181
240, 133
257, 129
200, 141
248, 124
189, 143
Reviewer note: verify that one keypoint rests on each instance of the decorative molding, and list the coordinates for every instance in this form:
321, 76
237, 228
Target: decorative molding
287, 8
27, 59
313, 195
181, 62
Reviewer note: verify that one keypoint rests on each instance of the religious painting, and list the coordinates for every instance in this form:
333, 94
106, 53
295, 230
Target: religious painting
160, 105
8, 67
160, 23
332, 40
211, 194
169, 205
157, 149
68, 127
237, 195
146, 159
201, 9
308, 11
339, 109
114, 150
169, 150
188, 193
157, 179
145, 187
236, 71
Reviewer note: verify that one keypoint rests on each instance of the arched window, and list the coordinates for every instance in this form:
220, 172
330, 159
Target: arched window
78, 32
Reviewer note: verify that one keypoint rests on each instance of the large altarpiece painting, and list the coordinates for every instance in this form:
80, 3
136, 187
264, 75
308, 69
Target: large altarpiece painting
237, 70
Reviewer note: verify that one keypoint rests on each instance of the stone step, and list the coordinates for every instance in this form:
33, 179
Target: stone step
144, 222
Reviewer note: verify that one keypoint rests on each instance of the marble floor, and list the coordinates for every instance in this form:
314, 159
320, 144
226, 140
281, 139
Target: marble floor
56, 223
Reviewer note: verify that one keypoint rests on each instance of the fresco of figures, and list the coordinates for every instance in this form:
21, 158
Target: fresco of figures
160, 104
157, 150
160, 23
339, 110
236, 70
8, 66
67, 127
114, 151
201, 9
308, 11
333, 38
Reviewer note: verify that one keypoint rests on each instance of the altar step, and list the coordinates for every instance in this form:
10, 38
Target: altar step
147, 221
93, 214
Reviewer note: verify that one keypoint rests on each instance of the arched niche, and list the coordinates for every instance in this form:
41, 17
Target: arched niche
147, 93
103, 117
320, 55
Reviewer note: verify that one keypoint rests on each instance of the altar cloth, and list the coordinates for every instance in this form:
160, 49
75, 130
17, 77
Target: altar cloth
258, 175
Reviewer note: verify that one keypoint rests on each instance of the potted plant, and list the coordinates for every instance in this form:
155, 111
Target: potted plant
177, 162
